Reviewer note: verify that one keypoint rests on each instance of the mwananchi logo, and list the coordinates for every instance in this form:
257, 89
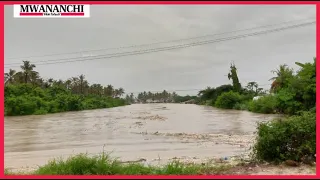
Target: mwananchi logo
51, 11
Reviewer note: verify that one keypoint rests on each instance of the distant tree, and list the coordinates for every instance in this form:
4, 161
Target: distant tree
9, 77
27, 71
234, 76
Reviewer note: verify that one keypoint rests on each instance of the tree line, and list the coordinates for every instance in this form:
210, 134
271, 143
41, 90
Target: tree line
158, 97
77, 85
26, 92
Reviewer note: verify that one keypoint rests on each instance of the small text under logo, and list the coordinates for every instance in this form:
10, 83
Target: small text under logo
51, 11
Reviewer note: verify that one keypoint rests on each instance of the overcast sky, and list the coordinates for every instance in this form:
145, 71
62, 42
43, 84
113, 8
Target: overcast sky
189, 68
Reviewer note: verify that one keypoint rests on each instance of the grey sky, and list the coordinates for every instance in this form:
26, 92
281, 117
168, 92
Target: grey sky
189, 68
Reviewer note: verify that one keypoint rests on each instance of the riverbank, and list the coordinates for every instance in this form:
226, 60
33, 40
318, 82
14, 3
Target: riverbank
82, 164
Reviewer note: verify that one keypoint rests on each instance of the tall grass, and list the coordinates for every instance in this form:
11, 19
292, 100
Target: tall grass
103, 164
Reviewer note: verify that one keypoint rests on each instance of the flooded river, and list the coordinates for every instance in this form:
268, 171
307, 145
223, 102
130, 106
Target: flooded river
155, 132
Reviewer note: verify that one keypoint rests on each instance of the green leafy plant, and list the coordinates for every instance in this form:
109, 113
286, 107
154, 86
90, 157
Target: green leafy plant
228, 100
286, 139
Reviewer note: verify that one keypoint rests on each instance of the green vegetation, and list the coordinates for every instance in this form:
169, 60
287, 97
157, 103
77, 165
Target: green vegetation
265, 104
227, 100
292, 94
211, 94
27, 93
159, 97
293, 138
180, 99
235, 80
82, 164
289, 93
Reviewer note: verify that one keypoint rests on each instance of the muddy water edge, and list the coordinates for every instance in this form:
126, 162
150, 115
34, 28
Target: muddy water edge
154, 133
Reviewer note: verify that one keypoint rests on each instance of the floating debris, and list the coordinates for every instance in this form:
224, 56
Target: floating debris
156, 117
242, 141
135, 161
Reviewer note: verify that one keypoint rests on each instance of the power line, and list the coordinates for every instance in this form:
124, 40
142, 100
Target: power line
160, 42
177, 46
181, 46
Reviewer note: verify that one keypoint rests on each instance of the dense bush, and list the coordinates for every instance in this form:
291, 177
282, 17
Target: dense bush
228, 100
287, 102
265, 104
287, 139
26, 99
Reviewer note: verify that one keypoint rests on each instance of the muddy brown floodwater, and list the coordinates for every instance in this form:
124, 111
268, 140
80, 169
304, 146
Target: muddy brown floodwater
155, 132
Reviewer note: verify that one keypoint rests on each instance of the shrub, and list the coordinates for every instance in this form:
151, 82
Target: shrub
287, 102
21, 105
266, 104
228, 100
287, 139
40, 111
246, 97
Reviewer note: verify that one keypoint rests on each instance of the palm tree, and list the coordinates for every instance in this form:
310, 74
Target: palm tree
115, 93
99, 89
108, 91
82, 83
150, 95
74, 84
132, 97
140, 97
120, 91
173, 96
19, 77
96, 89
282, 76
127, 98
27, 70
68, 83
34, 78
144, 96
9, 77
